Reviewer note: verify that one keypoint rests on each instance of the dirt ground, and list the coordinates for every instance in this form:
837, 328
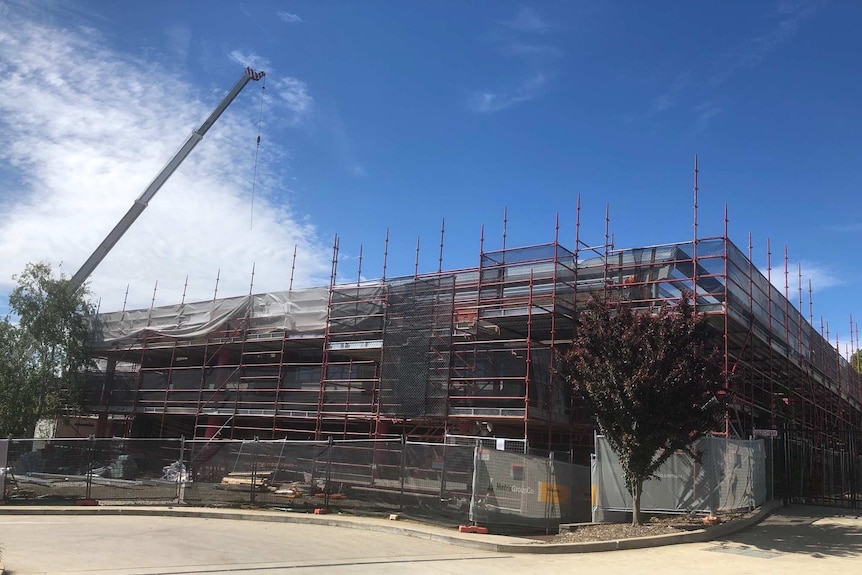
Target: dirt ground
658, 525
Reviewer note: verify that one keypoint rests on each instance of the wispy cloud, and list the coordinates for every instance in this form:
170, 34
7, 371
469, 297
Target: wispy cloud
329, 126
290, 92
786, 19
821, 277
532, 50
488, 102
83, 130
538, 60
788, 16
290, 18
670, 97
178, 39
527, 20
845, 228
250, 59
705, 112
294, 93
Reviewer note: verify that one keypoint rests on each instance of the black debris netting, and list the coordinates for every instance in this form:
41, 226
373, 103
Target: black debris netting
417, 339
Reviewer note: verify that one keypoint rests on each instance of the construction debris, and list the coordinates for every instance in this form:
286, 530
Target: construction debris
260, 481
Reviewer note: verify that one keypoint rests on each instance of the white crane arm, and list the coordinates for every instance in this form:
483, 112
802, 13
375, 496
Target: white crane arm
143, 200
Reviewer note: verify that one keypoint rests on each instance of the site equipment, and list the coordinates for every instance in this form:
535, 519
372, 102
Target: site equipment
141, 203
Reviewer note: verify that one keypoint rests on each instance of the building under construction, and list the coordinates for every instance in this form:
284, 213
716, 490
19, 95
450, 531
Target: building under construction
465, 352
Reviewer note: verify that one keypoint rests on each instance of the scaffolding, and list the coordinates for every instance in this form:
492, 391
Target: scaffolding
464, 352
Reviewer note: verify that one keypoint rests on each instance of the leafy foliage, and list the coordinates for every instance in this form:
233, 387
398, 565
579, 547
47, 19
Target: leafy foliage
42, 350
652, 379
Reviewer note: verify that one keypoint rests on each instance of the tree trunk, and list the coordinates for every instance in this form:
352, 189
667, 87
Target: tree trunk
636, 503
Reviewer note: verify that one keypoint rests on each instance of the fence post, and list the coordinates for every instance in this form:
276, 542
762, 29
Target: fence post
475, 481
181, 484
402, 472
443, 473
327, 488
254, 469
373, 460
91, 440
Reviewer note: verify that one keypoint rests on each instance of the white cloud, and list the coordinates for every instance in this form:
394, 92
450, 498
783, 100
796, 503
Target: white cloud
358, 170
83, 131
488, 102
178, 39
290, 18
528, 20
706, 111
250, 60
850, 228
294, 93
790, 14
532, 50
820, 276
291, 92
670, 97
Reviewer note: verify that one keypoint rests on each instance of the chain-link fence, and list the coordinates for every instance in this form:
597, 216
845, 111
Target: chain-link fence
67, 470
444, 483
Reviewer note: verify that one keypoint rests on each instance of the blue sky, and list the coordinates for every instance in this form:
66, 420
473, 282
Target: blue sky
397, 115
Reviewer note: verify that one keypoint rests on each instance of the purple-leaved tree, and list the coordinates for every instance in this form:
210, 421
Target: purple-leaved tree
653, 378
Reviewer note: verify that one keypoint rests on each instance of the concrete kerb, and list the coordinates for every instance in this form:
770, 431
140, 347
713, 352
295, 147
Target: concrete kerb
496, 543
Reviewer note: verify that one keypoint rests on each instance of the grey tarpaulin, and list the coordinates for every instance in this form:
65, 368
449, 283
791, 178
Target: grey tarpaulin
730, 475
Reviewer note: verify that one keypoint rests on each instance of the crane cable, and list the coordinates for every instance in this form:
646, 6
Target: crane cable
256, 153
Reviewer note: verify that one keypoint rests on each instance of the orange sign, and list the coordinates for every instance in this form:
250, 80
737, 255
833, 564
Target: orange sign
553, 493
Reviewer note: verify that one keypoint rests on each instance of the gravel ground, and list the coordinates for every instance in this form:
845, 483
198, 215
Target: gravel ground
651, 527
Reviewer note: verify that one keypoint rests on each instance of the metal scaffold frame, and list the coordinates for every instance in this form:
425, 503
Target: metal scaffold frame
460, 352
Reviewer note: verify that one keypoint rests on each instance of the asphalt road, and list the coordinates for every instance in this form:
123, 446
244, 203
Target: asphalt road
801, 539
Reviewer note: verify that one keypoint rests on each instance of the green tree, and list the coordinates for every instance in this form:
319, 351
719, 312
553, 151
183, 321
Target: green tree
42, 349
652, 379
856, 360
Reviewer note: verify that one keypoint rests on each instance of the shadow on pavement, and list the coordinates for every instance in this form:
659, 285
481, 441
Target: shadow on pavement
815, 531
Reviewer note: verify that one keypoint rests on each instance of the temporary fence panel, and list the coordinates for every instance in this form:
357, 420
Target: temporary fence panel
730, 475
389, 476
523, 492
263, 472
439, 482
106, 469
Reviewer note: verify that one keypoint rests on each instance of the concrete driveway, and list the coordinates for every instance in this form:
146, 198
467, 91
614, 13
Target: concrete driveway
800, 539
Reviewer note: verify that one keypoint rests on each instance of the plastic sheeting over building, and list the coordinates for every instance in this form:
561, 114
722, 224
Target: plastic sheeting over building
297, 312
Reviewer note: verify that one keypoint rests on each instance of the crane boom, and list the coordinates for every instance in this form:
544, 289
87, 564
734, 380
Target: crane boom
143, 200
